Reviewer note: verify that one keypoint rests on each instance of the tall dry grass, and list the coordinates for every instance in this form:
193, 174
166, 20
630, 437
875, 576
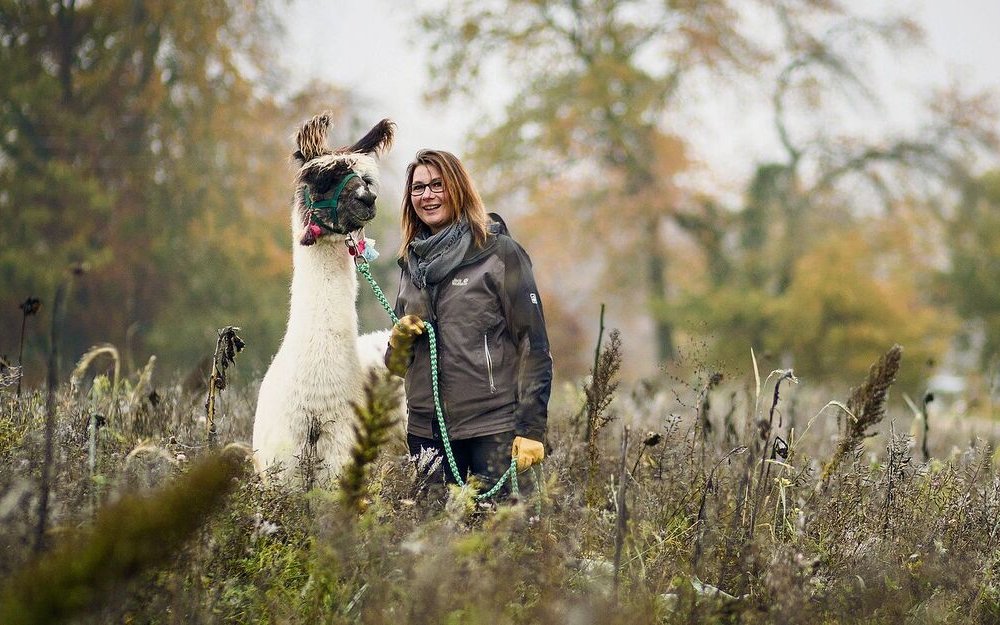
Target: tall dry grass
705, 518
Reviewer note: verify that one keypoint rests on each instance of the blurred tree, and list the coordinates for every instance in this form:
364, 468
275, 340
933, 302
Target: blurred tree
145, 139
589, 137
972, 279
594, 82
832, 186
589, 151
844, 303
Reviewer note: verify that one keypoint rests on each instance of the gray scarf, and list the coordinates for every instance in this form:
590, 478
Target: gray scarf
433, 256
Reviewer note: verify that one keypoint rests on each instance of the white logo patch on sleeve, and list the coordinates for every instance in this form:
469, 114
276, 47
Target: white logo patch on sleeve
534, 298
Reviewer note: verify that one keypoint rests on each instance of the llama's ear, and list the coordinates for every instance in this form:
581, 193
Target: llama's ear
311, 138
378, 139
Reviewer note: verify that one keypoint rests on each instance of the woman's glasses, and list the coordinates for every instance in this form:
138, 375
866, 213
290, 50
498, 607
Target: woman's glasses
436, 186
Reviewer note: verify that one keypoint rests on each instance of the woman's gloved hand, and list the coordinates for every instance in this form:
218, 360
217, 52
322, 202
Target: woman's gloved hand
401, 342
405, 330
527, 452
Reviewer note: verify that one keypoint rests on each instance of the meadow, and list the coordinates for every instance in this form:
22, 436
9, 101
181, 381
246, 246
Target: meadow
695, 498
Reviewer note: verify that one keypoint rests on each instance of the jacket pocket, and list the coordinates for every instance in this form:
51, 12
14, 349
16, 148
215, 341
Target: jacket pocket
489, 363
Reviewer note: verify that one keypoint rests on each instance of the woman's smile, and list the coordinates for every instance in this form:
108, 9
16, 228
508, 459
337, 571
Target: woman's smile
433, 207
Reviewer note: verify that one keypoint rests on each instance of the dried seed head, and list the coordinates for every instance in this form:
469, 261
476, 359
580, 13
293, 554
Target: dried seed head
228, 346
780, 448
652, 439
31, 306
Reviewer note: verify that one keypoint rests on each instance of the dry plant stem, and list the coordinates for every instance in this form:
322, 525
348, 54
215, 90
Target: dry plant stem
114, 406
703, 426
696, 553
28, 308
600, 393
226, 348
622, 518
58, 316
652, 439
764, 468
597, 355
93, 427
890, 453
744, 514
20, 353
210, 402
928, 398
738, 532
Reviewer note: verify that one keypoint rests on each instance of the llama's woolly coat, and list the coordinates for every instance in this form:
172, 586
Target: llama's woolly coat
316, 373
320, 368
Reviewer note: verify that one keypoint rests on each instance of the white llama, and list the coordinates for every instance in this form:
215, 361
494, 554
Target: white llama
304, 406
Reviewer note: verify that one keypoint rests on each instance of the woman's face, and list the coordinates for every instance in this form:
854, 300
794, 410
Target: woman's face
434, 208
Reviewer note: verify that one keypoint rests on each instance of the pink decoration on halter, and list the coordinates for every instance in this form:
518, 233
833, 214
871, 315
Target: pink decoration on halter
310, 235
358, 248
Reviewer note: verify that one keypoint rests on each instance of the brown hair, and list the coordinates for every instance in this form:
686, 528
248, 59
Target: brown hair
461, 192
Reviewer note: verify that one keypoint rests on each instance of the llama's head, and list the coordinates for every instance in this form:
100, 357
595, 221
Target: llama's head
336, 188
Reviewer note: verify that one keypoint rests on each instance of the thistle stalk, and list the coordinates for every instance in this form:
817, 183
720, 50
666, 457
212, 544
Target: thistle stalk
600, 393
226, 348
28, 308
597, 355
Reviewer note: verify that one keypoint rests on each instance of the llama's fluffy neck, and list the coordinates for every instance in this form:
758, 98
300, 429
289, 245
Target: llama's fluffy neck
324, 289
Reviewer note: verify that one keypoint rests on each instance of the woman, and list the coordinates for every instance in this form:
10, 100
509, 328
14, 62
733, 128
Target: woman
473, 283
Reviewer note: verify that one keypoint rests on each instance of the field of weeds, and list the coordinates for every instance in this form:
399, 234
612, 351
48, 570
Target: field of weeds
707, 500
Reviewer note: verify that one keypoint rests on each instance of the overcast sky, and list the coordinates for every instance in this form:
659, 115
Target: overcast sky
372, 47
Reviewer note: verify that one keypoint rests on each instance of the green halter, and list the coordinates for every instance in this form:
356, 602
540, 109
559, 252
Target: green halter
316, 209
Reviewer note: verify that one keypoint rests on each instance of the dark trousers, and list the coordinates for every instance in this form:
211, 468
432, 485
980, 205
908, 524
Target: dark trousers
486, 457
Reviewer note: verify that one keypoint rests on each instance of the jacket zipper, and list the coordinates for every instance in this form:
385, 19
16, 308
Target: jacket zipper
489, 364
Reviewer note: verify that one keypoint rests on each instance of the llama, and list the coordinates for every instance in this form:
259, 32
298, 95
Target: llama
304, 405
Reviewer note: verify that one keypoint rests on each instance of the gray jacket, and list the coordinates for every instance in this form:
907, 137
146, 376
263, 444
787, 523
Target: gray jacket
494, 366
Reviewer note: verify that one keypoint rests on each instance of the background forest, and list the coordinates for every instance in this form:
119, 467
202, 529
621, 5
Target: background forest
144, 189
147, 144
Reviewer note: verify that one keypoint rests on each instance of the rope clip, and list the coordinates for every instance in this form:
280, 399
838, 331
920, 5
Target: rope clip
356, 249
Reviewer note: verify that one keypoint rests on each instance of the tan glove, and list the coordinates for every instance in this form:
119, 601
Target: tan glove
401, 342
527, 452
405, 330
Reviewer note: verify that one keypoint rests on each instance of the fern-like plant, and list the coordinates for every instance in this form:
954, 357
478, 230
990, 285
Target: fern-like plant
372, 430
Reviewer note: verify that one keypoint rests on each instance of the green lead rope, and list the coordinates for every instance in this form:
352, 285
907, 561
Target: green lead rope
510, 473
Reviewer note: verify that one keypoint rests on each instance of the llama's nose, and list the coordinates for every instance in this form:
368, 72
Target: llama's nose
366, 196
